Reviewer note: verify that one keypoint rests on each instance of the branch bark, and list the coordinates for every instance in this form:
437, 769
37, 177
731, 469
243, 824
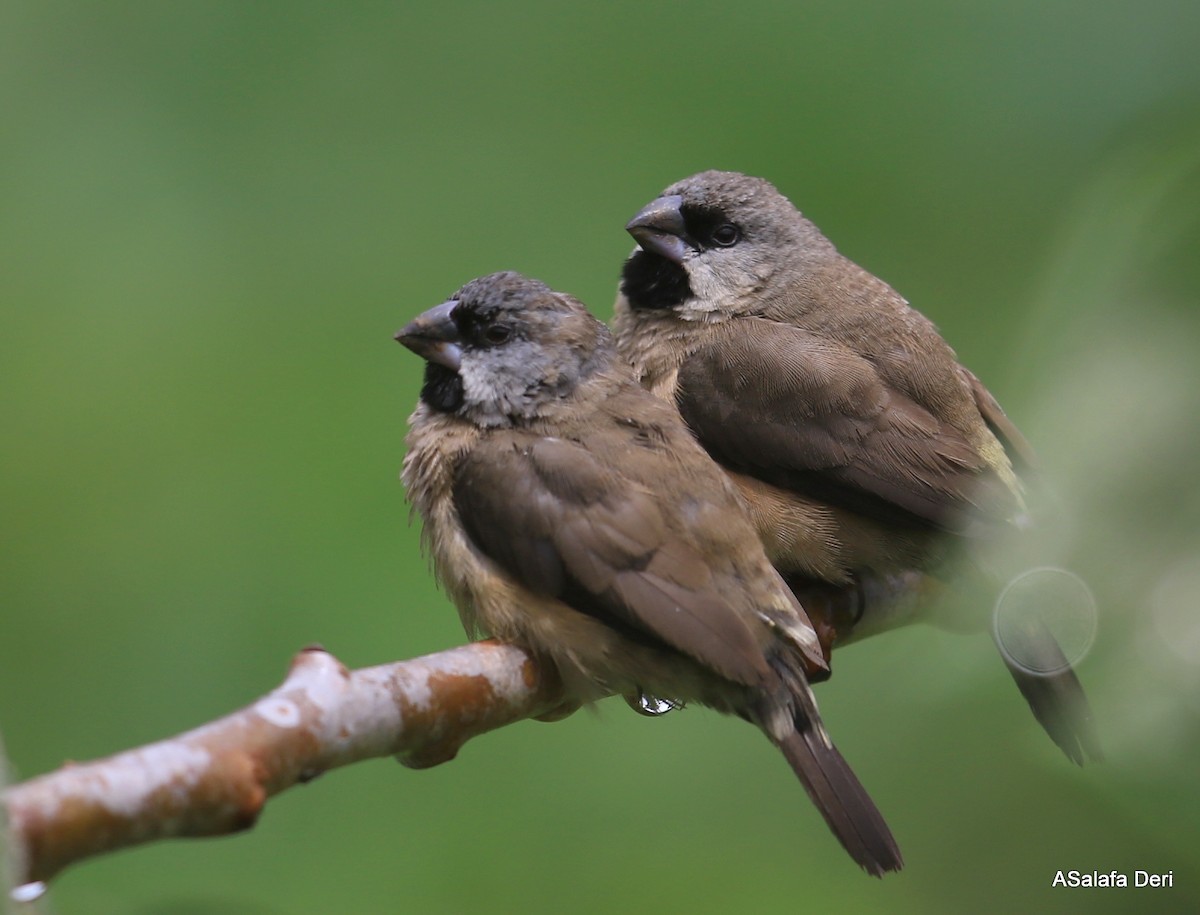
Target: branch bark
215, 779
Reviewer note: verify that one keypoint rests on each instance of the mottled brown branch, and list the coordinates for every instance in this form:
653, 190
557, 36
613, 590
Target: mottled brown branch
216, 778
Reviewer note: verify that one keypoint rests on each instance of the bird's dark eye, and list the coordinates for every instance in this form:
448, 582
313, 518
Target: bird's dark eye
726, 235
497, 333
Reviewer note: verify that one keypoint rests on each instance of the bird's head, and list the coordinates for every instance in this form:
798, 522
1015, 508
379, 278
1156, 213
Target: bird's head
504, 348
713, 246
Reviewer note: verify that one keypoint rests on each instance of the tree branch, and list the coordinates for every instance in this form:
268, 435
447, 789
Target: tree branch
215, 779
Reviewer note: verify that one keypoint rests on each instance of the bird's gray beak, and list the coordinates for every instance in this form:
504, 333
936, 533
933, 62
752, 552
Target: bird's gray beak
433, 336
659, 228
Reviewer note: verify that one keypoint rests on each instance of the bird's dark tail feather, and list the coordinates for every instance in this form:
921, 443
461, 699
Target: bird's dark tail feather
1056, 697
843, 801
830, 781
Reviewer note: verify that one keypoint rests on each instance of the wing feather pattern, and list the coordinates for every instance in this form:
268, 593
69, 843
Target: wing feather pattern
805, 413
565, 526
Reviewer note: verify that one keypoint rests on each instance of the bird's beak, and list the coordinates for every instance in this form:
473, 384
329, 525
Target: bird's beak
433, 336
659, 228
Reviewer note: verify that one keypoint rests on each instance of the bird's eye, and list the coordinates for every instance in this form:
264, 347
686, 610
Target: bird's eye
497, 333
726, 235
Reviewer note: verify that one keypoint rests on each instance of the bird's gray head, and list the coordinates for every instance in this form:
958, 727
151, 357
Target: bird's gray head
713, 245
504, 347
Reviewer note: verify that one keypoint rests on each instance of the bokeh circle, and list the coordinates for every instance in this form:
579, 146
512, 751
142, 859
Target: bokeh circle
1045, 599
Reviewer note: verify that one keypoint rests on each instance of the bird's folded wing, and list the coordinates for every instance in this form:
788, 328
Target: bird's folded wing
564, 525
807, 414
1015, 444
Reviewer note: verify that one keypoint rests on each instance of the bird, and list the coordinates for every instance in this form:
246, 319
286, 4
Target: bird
570, 512
861, 445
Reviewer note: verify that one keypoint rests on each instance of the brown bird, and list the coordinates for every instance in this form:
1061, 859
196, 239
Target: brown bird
570, 512
861, 445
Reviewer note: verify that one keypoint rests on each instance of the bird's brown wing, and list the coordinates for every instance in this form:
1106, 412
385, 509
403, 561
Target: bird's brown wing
808, 414
1019, 451
567, 526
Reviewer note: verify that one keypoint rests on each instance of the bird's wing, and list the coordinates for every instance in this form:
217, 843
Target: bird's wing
1019, 451
566, 525
808, 414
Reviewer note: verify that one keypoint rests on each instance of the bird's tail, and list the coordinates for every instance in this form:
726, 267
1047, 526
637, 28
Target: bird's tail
831, 783
1055, 696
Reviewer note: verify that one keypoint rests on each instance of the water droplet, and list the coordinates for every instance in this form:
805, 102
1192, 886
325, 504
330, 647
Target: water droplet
652, 706
28, 892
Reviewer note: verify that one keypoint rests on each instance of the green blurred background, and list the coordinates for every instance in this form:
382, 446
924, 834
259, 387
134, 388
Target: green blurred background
213, 216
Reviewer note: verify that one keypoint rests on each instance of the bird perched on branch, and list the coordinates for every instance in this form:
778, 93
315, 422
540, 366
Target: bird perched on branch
861, 445
570, 512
